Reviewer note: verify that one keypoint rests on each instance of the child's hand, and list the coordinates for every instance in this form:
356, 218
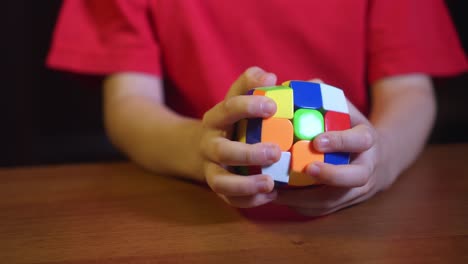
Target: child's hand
343, 185
219, 152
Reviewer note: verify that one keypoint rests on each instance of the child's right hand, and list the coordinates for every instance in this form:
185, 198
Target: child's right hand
219, 151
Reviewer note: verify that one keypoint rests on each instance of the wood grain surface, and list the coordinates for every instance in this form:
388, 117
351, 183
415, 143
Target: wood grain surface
118, 213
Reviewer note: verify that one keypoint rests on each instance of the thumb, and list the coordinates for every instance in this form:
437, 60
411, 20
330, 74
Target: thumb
251, 78
316, 80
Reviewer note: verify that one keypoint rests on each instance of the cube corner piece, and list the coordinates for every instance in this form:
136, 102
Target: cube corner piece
284, 99
333, 99
307, 95
336, 121
254, 131
302, 154
279, 131
337, 158
279, 170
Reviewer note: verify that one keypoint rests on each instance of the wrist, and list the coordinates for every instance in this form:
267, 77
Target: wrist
195, 160
388, 166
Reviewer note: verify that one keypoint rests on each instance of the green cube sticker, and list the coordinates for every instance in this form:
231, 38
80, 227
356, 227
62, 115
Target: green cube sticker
308, 123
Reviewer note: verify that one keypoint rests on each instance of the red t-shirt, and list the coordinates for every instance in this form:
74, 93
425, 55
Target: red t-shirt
200, 47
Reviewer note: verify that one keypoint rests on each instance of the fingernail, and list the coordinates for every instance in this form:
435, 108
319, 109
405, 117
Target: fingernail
255, 73
323, 142
268, 108
313, 169
267, 78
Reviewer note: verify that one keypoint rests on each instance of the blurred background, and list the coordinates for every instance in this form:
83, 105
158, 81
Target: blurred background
48, 117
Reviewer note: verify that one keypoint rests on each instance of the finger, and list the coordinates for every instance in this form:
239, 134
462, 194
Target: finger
251, 78
229, 111
359, 198
250, 201
224, 151
322, 198
316, 80
318, 197
223, 182
356, 116
348, 176
314, 212
357, 139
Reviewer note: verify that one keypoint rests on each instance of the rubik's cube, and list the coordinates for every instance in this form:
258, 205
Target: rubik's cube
304, 110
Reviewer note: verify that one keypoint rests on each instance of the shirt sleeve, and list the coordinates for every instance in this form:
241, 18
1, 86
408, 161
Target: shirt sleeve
105, 36
412, 36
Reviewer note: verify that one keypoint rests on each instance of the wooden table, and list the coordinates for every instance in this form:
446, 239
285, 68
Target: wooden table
118, 213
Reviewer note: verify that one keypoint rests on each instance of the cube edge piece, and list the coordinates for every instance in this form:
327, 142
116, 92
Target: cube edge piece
283, 97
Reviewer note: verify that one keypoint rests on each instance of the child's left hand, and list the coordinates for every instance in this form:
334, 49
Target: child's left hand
343, 185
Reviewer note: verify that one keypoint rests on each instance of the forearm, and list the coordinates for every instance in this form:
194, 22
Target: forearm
403, 115
151, 134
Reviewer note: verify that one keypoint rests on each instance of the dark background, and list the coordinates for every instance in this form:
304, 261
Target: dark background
47, 117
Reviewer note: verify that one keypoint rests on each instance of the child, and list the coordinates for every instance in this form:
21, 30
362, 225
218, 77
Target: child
171, 95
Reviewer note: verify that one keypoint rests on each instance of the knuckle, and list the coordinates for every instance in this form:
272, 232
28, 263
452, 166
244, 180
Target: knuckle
362, 181
256, 154
228, 105
365, 177
336, 141
253, 105
368, 136
233, 107
370, 170
248, 157
365, 189
340, 141
241, 105
217, 153
205, 118
203, 143
209, 176
216, 186
240, 155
